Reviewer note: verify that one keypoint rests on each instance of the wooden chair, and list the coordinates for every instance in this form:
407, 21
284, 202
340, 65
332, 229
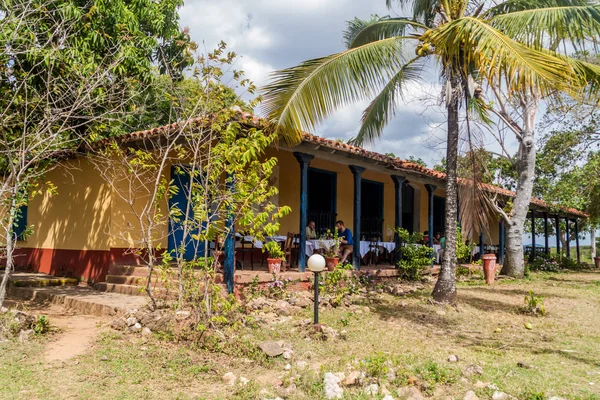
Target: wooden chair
246, 246
289, 250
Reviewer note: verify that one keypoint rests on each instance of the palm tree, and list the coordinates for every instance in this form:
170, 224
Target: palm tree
384, 54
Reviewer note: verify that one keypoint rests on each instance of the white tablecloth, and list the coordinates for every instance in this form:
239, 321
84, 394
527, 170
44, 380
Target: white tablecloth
364, 246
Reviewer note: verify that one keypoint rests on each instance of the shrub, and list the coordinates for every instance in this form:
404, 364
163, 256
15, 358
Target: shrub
554, 263
414, 257
339, 283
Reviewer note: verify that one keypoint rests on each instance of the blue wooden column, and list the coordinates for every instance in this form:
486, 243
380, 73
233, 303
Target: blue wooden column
398, 188
557, 226
532, 234
304, 160
229, 245
501, 249
430, 191
481, 244
357, 172
546, 244
577, 240
568, 249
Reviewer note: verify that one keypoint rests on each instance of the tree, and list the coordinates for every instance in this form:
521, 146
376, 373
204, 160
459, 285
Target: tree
549, 26
469, 46
69, 72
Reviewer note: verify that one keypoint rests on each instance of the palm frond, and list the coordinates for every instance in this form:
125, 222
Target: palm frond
383, 107
547, 26
423, 11
511, 6
360, 32
300, 97
500, 60
588, 74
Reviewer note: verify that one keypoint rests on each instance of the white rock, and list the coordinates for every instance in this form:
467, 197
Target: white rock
287, 367
131, 321
388, 397
556, 398
229, 378
471, 396
287, 354
146, 332
243, 380
301, 364
136, 327
332, 386
453, 358
502, 396
372, 389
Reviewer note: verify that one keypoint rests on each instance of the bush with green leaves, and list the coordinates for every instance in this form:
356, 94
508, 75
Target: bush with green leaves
274, 250
339, 283
414, 257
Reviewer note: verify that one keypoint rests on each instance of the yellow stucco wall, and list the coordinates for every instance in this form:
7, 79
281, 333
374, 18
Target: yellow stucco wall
87, 214
77, 217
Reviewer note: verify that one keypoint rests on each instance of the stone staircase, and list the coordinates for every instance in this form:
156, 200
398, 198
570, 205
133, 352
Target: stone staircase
131, 280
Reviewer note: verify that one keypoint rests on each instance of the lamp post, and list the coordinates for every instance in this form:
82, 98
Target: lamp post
316, 264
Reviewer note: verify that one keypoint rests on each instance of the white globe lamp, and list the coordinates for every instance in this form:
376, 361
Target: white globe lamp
316, 264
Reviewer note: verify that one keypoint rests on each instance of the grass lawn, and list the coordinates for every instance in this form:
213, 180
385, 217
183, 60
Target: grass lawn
406, 334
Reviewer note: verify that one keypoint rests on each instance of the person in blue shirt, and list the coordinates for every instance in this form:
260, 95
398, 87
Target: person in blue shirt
346, 243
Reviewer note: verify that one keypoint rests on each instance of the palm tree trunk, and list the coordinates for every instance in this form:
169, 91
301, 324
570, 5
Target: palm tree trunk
593, 241
445, 288
514, 263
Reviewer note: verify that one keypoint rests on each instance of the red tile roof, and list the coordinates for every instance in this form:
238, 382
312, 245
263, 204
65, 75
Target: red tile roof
391, 162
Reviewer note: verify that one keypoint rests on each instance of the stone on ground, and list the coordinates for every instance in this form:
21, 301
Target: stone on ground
352, 378
471, 396
372, 389
229, 378
502, 396
473, 370
332, 386
410, 393
453, 358
271, 349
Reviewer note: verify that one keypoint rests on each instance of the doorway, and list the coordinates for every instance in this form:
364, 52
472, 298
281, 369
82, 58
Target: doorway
371, 209
322, 199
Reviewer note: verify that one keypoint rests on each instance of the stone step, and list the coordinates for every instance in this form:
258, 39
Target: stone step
23, 279
130, 290
81, 299
128, 270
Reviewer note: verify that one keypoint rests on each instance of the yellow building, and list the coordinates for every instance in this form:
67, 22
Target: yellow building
83, 230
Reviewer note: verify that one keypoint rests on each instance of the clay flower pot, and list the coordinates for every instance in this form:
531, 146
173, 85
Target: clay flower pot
489, 267
274, 265
331, 263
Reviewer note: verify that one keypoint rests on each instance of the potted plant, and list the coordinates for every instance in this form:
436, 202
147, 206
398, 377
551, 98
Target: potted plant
276, 256
330, 249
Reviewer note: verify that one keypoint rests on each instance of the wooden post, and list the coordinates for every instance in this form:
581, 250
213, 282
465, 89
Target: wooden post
229, 245
546, 244
481, 245
357, 172
533, 234
577, 240
430, 191
398, 189
304, 161
557, 226
501, 249
568, 241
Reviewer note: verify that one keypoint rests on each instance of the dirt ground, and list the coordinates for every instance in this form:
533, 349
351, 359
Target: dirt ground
521, 355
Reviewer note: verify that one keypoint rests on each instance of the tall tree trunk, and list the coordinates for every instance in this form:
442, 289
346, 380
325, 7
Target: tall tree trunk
445, 288
514, 264
11, 242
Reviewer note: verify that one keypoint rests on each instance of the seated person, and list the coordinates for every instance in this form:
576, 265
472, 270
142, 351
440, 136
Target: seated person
347, 244
436, 238
426, 238
311, 233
